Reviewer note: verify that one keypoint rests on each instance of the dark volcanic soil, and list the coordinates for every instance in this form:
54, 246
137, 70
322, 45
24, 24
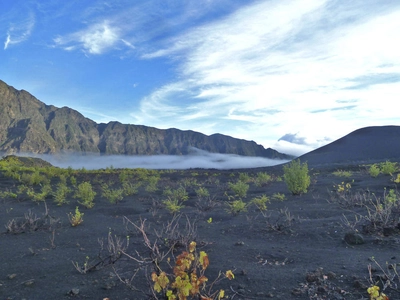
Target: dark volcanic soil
294, 250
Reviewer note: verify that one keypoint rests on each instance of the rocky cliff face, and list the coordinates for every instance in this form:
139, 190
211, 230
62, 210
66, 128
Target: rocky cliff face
29, 125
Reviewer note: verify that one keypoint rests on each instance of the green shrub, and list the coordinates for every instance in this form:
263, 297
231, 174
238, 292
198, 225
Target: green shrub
296, 177
152, 183
86, 194
33, 178
388, 167
202, 192
112, 195
262, 179
278, 196
374, 170
240, 188
244, 177
72, 179
44, 192
173, 205
76, 218
130, 188
342, 173
236, 206
261, 202
60, 195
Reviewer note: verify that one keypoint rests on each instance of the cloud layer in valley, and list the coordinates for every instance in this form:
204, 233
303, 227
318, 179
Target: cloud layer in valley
290, 75
198, 159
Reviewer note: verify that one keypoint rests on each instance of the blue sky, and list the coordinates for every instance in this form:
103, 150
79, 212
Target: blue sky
291, 75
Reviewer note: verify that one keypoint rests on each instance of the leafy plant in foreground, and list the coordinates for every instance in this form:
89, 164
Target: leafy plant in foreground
76, 218
296, 177
187, 278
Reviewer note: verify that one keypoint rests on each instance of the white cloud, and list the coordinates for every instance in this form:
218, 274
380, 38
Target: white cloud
285, 67
95, 39
20, 30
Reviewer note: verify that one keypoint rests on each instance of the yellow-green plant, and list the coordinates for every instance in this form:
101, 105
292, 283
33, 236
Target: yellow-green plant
36, 196
202, 192
152, 182
236, 206
60, 195
76, 218
240, 188
296, 177
112, 195
86, 194
129, 188
8, 194
72, 179
33, 178
173, 205
374, 170
391, 196
342, 187
261, 202
187, 279
342, 173
278, 196
375, 294
262, 179
388, 168
244, 177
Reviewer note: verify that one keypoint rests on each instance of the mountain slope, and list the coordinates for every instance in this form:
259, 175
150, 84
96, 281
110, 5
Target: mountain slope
368, 144
29, 125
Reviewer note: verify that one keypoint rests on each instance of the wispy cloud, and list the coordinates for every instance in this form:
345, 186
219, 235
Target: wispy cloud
305, 61
19, 30
95, 39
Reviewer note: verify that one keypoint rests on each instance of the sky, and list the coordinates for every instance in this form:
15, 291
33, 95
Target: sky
288, 74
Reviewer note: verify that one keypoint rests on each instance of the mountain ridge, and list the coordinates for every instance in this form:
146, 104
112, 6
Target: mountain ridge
29, 125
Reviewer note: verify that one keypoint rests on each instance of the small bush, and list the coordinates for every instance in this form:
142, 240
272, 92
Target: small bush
278, 196
60, 195
86, 194
342, 173
261, 202
76, 218
237, 206
374, 170
262, 179
244, 177
388, 168
202, 192
112, 195
152, 184
130, 189
240, 188
296, 177
187, 278
173, 205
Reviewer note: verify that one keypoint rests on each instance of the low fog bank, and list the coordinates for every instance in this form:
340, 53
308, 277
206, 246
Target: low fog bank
196, 159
